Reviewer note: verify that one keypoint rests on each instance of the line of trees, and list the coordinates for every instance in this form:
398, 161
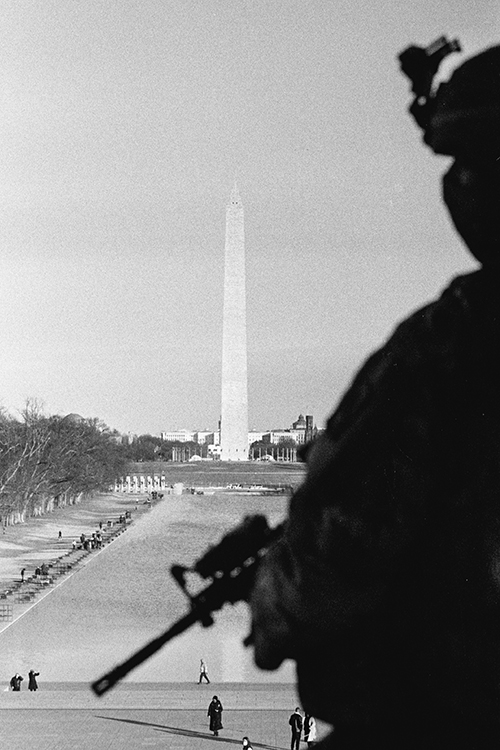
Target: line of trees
152, 448
147, 448
49, 461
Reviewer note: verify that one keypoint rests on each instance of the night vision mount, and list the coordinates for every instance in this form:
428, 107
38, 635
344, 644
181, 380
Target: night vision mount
421, 64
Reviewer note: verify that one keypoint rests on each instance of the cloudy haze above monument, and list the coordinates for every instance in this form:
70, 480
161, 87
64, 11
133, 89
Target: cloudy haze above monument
123, 126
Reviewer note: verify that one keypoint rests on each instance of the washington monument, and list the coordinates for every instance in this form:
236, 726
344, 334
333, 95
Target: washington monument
234, 411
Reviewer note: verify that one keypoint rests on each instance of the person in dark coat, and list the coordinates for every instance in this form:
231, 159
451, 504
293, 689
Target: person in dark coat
15, 682
32, 683
215, 714
385, 585
295, 722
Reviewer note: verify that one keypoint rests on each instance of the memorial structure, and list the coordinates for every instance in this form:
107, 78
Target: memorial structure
234, 409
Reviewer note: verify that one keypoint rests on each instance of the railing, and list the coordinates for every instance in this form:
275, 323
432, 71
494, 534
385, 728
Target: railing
27, 590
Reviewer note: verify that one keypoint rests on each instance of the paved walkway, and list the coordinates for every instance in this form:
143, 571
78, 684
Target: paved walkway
153, 695
172, 716
163, 729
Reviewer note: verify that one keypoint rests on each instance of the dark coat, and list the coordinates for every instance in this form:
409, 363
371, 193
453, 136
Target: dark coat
386, 585
295, 722
215, 713
32, 684
15, 682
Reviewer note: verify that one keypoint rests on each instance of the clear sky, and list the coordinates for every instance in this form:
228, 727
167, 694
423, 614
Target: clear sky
123, 124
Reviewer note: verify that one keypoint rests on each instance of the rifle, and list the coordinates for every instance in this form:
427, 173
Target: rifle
231, 565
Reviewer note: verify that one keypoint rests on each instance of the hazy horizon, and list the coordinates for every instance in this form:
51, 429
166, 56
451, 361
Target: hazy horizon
123, 128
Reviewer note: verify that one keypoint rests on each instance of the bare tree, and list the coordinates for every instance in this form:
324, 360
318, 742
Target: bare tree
46, 461
22, 443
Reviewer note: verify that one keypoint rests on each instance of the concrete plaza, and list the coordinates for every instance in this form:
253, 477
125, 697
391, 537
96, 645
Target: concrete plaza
70, 717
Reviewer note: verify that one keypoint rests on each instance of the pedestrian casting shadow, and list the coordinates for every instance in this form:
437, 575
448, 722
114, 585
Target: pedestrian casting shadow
186, 732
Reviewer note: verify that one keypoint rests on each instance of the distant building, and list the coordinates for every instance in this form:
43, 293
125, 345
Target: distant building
128, 438
300, 424
297, 432
281, 436
309, 433
301, 431
73, 418
179, 436
203, 437
254, 436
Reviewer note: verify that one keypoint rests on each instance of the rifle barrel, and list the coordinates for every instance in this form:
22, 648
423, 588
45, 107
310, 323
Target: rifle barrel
108, 680
226, 588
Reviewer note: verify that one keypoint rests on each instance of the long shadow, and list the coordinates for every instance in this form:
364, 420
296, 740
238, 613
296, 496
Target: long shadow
186, 732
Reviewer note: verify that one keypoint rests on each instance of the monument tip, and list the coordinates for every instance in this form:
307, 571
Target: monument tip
235, 195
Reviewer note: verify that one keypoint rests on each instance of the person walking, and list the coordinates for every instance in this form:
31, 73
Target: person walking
23, 571
295, 722
32, 683
15, 682
203, 673
385, 585
215, 713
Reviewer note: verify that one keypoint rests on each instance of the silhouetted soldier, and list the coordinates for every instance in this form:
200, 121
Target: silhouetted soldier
385, 587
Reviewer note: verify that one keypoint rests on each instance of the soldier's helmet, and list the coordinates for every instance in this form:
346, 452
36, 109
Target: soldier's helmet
465, 117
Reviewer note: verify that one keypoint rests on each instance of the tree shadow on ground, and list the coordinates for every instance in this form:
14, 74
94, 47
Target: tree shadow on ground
186, 732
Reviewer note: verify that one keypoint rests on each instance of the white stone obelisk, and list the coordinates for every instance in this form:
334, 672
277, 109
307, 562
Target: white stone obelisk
234, 412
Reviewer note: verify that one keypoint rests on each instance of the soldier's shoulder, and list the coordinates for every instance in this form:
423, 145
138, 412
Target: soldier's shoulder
448, 326
435, 337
